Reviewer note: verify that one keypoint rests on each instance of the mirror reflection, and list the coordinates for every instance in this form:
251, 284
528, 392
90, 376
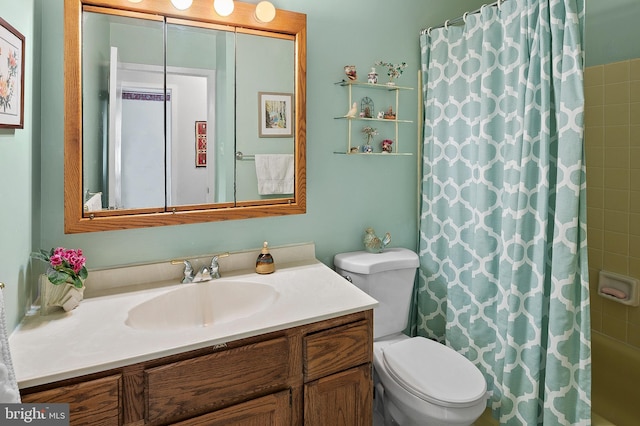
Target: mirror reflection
264, 96
167, 105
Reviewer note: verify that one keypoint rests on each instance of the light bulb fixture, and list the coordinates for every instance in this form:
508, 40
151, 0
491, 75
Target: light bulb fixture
135, 1
181, 4
265, 12
223, 7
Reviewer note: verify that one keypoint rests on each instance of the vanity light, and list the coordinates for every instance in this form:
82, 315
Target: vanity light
265, 12
223, 7
181, 4
135, 1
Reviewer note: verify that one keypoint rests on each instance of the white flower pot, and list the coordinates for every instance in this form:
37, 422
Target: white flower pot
55, 297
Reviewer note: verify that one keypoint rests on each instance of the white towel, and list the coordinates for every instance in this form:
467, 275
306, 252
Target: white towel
275, 173
9, 392
94, 203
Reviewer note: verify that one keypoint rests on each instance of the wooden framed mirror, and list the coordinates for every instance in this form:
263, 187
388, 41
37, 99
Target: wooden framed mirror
188, 153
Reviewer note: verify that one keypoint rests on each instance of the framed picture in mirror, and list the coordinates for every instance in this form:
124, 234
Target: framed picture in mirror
275, 115
11, 77
201, 144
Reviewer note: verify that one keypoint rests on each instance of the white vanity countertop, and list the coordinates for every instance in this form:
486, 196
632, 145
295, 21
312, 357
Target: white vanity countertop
94, 337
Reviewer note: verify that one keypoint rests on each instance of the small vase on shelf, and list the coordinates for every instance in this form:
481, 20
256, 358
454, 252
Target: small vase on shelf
351, 73
372, 77
393, 70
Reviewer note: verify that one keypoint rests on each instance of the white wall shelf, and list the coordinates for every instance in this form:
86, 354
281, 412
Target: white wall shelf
394, 122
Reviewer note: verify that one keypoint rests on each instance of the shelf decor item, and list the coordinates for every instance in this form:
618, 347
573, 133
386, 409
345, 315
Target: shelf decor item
372, 77
352, 111
386, 145
393, 70
389, 114
63, 284
350, 71
369, 132
366, 107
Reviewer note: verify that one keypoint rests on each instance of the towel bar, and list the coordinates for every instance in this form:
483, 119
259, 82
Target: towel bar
240, 156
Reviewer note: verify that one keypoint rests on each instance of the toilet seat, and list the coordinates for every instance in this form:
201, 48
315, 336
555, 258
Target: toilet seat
434, 372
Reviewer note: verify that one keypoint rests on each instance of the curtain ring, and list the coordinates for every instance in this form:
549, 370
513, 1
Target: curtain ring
446, 24
499, 3
429, 31
464, 17
482, 8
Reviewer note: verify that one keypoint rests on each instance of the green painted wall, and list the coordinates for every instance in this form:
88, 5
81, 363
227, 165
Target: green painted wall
612, 31
344, 194
18, 170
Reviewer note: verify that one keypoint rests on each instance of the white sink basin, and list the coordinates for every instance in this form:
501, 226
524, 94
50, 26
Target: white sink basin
201, 305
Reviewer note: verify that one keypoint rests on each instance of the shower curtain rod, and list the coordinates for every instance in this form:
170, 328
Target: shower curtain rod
462, 17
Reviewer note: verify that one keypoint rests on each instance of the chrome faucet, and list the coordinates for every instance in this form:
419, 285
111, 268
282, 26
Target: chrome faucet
205, 273
202, 275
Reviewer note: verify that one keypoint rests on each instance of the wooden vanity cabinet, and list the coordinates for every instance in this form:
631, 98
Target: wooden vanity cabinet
315, 374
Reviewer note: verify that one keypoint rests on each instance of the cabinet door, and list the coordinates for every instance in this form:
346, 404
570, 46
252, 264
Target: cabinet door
342, 399
94, 403
270, 410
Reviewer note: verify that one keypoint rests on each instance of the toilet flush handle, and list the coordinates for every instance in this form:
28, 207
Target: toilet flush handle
348, 278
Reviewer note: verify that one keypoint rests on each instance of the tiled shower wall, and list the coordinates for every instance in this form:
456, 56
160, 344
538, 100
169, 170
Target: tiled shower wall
612, 140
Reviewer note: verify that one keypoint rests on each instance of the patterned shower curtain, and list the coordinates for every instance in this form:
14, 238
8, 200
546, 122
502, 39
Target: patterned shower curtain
503, 276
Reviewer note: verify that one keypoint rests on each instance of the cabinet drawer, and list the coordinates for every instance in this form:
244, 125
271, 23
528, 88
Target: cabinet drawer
329, 351
270, 410
95, 402
191, 387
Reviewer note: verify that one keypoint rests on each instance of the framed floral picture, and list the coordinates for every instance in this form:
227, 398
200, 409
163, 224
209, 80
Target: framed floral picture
11, 77
275, 115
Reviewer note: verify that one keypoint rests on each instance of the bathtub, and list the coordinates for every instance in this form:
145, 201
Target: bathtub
615, 380
615, 386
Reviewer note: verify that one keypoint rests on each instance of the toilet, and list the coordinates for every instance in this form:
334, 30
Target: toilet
419, 381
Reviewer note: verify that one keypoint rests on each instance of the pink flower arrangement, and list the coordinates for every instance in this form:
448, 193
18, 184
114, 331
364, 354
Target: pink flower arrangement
386, 145
65, 265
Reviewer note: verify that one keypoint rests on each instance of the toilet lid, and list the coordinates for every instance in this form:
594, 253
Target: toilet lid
434, 372
362, 262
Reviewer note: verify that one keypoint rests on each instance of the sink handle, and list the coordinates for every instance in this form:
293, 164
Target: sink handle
214, 269
188, 270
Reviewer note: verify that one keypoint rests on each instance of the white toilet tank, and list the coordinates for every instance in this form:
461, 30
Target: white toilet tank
387, 277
